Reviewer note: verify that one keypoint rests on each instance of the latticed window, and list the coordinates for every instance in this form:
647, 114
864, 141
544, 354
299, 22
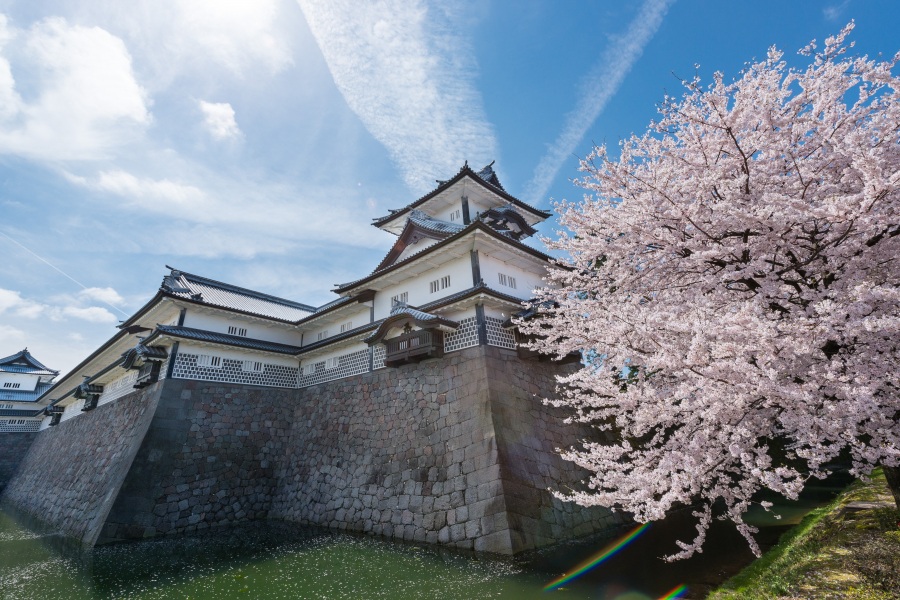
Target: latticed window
346, 326
507, 280
12, 385
206, 360
400, 298
252, 366
241, 331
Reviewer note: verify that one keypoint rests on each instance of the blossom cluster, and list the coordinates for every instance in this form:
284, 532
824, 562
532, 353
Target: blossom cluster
732, 283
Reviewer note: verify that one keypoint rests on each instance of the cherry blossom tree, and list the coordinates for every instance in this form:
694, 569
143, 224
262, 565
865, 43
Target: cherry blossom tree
732, 284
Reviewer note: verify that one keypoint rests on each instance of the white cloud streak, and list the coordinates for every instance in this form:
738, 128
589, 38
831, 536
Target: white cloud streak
12, 304
404, 69
218, 117
600, 85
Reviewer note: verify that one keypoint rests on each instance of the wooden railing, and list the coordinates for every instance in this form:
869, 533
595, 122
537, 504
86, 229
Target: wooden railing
413, 346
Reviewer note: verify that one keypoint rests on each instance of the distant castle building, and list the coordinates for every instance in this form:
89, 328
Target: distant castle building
23, 381
404, 408
457, 271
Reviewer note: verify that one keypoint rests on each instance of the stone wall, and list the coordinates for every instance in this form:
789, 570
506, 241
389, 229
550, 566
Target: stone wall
457, 451
208, 459
13, 448
72, 473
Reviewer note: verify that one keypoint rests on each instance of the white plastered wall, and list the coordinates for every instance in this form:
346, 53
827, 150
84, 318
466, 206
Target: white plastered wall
526, 281
281, 333
332, 326
418, 287
26, 382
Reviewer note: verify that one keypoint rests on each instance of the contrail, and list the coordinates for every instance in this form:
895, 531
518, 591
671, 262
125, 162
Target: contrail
58, 270
599, 86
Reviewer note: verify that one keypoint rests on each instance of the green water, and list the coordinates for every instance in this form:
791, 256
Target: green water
282, 560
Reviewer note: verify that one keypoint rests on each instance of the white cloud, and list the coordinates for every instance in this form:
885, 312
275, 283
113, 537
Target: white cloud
84, 100
11, 335
219, 120
107, 295
92, 314
173, 38
834, 11
407, 72
599, 86
13, 303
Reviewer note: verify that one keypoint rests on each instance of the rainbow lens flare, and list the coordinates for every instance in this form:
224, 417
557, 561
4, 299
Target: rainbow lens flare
676, 593
595, 560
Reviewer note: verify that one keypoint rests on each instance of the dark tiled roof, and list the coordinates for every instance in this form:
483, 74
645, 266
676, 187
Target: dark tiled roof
224, 295
23, 362
24, 395
486, 176
404, 310
223, 338
342, 336
437, 225
333, 304
481, 288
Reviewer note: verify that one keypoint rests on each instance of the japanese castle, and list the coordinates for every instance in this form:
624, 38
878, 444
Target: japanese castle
23, 380
456, 272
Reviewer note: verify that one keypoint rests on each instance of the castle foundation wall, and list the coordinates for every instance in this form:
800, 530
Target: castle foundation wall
13, 448
457, 451
72, 472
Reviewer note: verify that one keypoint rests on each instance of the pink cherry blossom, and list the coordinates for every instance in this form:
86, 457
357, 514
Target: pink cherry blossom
732, 282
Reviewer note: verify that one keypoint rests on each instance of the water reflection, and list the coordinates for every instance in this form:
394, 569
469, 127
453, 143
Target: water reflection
282, 560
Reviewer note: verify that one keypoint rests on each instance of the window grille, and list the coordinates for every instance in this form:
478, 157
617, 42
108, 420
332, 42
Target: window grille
19, 425
497, 336
346, 326
187, 366
465, 336
6, 406
456, 215
252, 366
117, 388
507, 280
206, 360
12, 385
378, 353
241, 331
336, 367
402, 297
321, 335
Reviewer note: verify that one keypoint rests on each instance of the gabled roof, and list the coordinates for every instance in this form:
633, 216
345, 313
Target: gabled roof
486, 178
417, 226
201, 335
23, 362
187, 286
403, 313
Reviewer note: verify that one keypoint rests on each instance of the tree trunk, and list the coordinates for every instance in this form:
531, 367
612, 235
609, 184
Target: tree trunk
892, 474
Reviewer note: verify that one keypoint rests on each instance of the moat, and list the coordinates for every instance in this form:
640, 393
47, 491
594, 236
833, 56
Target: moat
281, 560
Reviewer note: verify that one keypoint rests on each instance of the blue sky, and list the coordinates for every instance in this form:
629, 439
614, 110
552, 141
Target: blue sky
253, 141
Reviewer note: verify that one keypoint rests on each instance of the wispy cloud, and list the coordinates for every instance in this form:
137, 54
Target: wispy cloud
600, 85
84, 100
13, 304
833, 12
218, 117
406, 70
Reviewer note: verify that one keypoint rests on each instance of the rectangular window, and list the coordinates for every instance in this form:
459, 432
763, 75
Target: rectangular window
12, 385
321, 335
346, 326
206, 360
313, 368
439, 284
241, 331
456, 215
7, 406
507, 280
333, 363
401, 298
252, 366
